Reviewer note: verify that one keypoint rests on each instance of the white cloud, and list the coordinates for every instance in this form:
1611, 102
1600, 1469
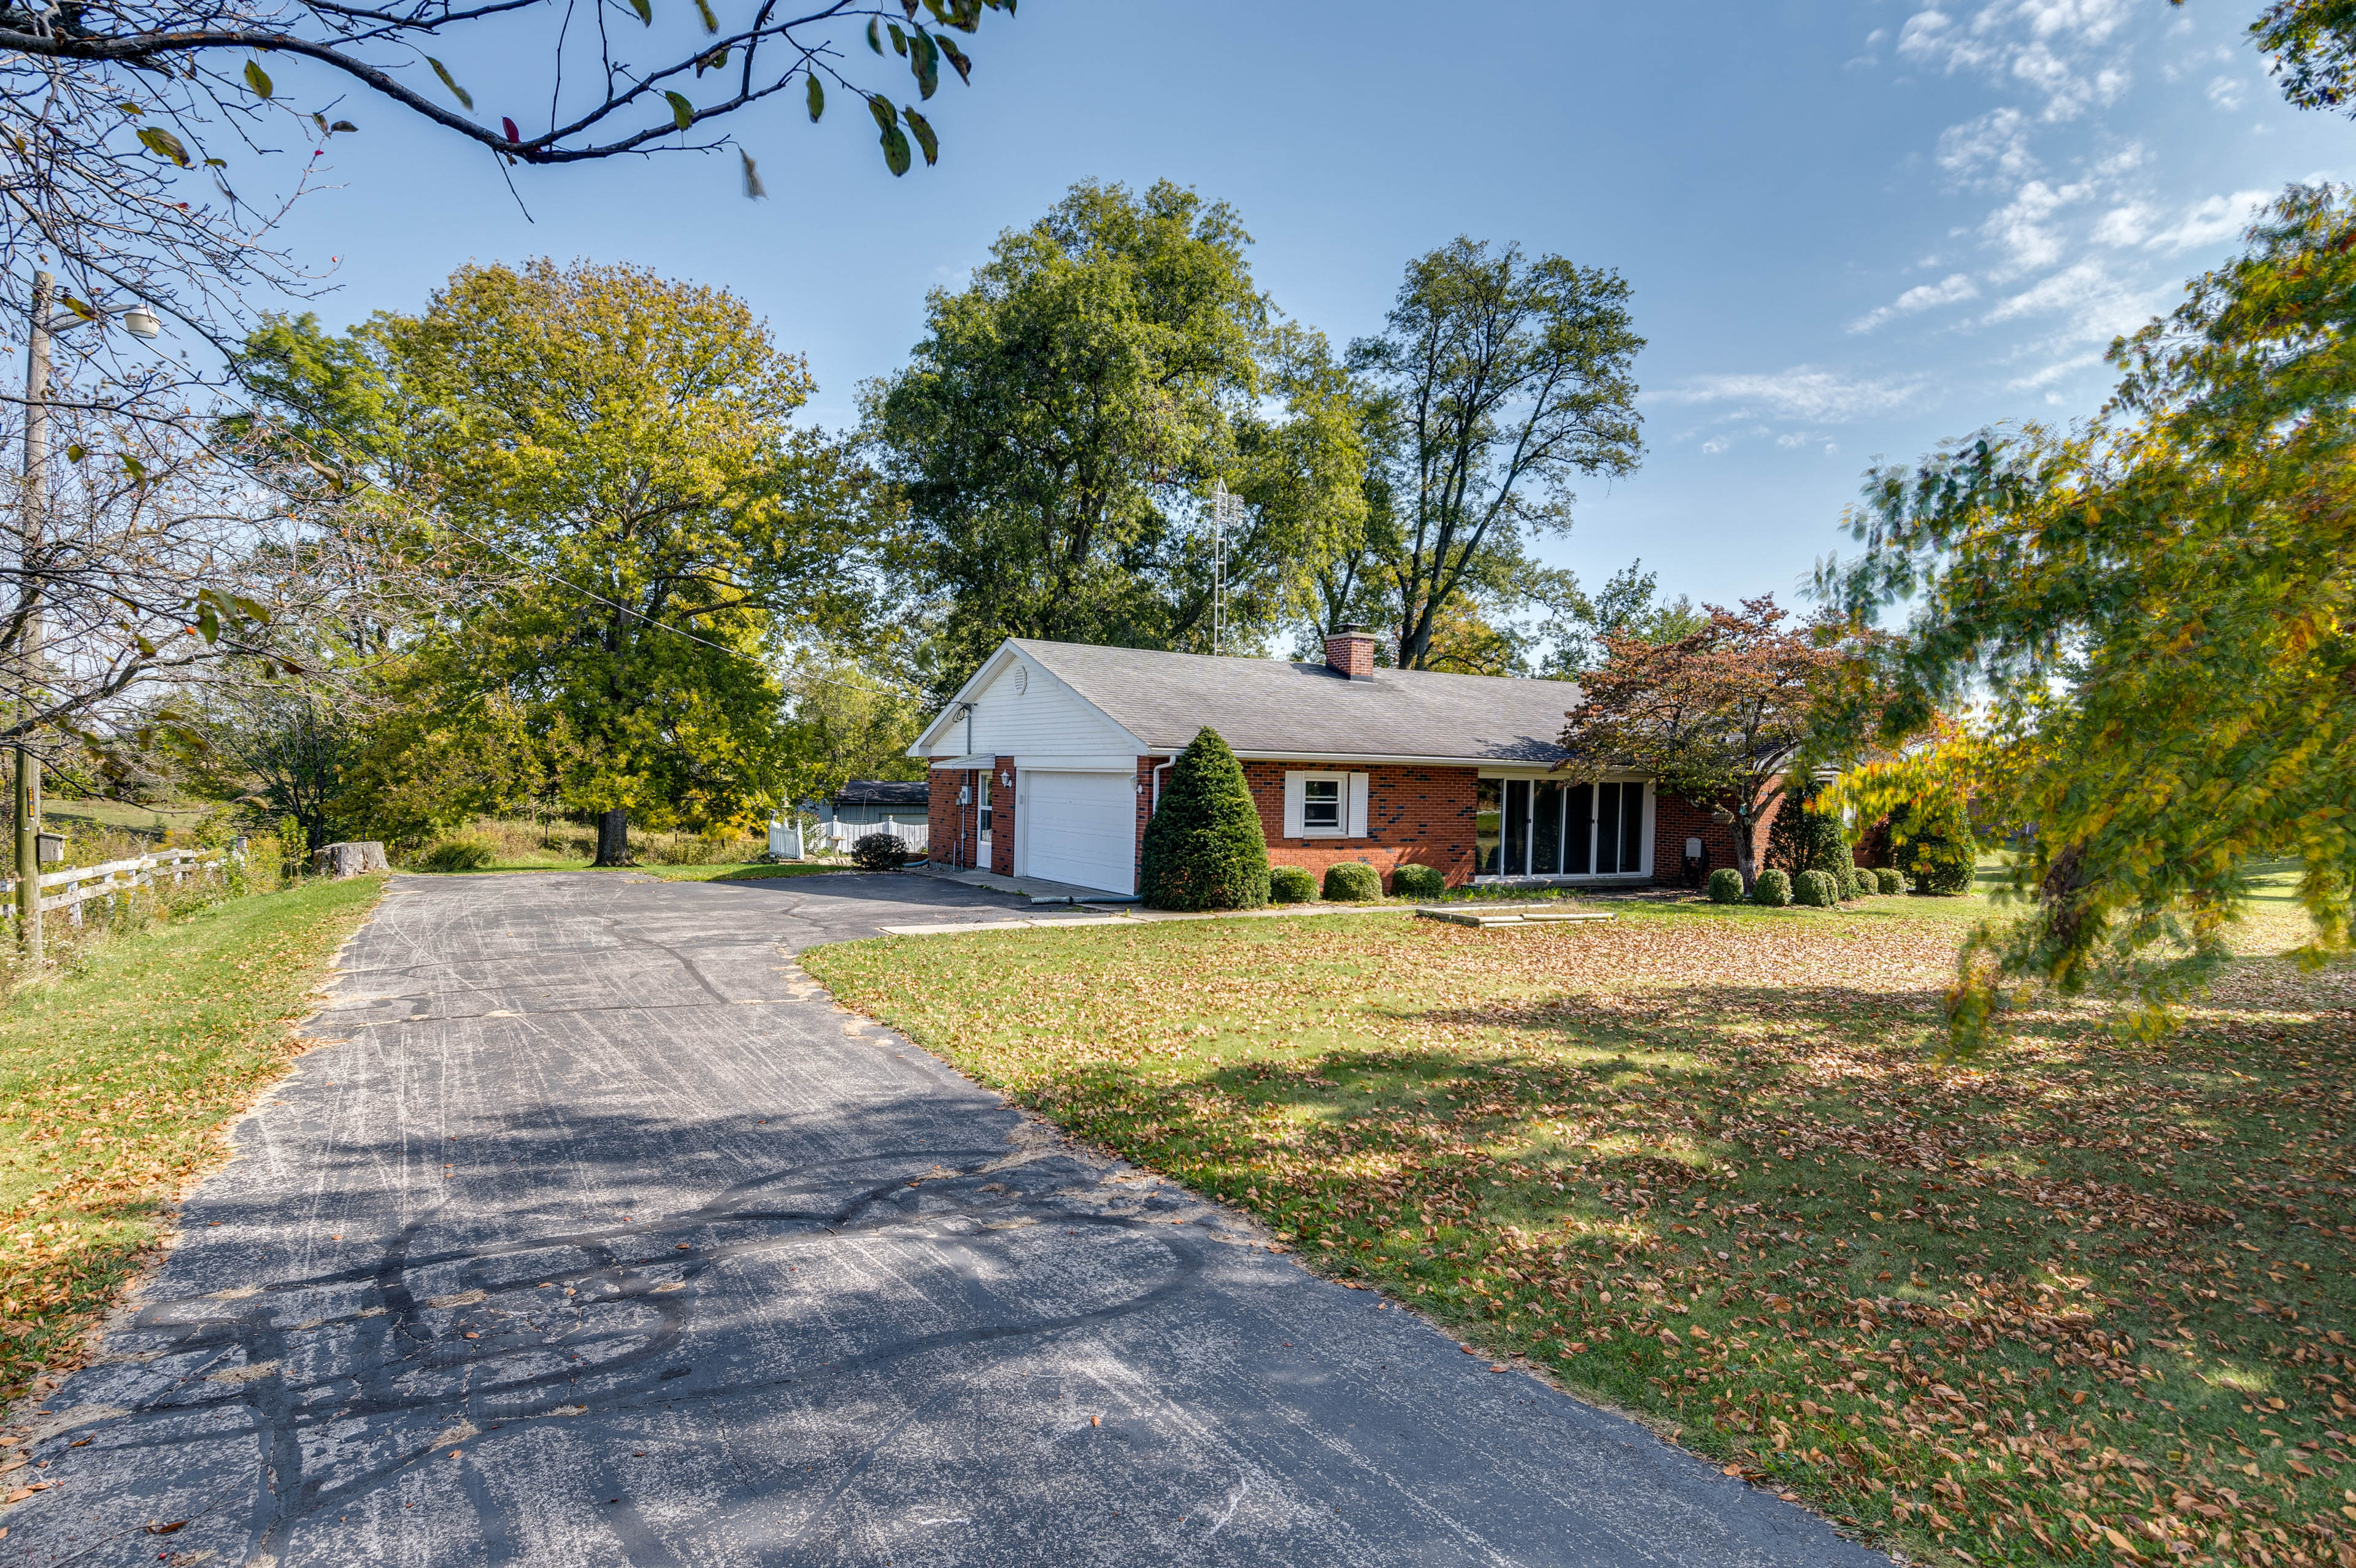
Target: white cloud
1714, 445
1803, 392
2062, 49
2128, 224
2207, 222
2059, 371
2097, 304
1996, 144
2225, 92
2020, 227
1949, 289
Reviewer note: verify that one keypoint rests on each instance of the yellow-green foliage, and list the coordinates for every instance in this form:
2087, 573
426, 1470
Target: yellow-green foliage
2154, 613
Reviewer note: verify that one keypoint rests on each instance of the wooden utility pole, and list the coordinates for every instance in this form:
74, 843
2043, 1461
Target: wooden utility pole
27, 651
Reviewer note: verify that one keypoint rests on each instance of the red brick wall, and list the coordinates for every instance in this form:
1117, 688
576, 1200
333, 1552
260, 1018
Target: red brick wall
1145, 766
1676, 819
1413, 816
943, 814
1001, 817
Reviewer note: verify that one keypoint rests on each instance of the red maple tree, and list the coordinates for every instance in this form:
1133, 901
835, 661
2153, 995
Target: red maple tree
1719, 717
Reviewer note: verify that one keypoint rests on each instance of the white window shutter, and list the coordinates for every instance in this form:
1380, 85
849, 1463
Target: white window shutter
1292, 805
1357, 805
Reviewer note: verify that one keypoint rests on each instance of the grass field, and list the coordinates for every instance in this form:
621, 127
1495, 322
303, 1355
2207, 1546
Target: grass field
115, 1081
2079, 1300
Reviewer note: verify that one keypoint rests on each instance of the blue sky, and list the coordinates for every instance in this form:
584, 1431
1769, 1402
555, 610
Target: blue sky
1852, 227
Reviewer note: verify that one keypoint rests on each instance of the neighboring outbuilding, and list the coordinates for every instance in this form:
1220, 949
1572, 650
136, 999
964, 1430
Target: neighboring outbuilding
1049, 761
863, 801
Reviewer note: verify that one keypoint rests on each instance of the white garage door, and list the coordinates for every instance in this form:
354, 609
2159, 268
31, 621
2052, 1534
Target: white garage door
1080, 828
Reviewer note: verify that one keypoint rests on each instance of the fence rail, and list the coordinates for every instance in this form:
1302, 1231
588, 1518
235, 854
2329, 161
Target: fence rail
839, 836
79, 884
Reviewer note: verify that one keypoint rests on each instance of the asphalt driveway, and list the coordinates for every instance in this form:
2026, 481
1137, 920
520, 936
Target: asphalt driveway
604, 1237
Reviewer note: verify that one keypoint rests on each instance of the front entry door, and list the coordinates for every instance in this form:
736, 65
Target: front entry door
982, 828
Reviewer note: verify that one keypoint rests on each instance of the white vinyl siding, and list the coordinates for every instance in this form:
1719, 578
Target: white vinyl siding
1324, 806
1028, 711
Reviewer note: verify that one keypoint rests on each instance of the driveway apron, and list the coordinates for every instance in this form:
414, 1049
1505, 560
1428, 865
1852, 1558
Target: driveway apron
600, 1235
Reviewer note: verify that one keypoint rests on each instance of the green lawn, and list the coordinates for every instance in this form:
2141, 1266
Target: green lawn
2081, 1300
114, 1082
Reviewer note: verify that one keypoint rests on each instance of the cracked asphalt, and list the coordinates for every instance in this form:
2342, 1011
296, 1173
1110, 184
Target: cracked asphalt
602, 1236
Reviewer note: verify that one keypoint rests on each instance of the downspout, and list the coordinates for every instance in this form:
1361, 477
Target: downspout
1157, 783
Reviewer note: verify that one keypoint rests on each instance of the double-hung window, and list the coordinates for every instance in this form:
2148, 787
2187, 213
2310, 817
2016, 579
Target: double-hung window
1325, 805
1321, 805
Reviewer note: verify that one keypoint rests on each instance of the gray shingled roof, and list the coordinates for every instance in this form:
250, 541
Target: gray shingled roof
1310, 710
881, 791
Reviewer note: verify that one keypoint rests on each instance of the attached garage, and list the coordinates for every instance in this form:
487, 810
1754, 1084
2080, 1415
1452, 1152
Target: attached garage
1078, 827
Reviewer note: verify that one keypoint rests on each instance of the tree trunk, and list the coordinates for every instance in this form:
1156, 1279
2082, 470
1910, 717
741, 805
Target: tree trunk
613, 837
1746, 851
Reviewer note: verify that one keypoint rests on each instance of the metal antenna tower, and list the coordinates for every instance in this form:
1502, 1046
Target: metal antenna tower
1226, 510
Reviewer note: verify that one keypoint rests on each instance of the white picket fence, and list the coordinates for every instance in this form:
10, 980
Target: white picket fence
837, 838
115, 880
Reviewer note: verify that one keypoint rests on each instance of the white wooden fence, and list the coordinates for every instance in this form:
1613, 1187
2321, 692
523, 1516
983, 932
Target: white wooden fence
837, 838
117, 880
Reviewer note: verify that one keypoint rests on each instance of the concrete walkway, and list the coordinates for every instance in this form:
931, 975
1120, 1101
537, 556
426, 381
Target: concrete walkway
602, 1236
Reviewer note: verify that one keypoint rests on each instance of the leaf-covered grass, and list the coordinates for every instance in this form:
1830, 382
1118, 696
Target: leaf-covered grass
116, 1081
2079, 1301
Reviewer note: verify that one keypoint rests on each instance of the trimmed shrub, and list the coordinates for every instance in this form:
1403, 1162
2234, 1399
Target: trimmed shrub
1203, 848
1725, 886
455, 855
880, 852
1773, 889
1933, 843
1418, 883
1815, 888
1887, 879
1290, 885
1856, 883
1352, 881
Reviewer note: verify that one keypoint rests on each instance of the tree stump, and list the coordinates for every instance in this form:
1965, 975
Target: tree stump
613, 837
353, 857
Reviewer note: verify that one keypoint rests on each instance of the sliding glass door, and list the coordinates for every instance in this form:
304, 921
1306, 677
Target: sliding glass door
1544, 827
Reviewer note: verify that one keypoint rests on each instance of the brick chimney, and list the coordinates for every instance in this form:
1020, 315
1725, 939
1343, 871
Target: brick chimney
1351, 651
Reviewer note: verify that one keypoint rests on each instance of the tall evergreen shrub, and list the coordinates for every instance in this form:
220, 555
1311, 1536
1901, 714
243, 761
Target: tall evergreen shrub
1203, 848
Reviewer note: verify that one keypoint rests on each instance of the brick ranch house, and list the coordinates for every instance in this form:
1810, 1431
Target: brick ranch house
1049, 762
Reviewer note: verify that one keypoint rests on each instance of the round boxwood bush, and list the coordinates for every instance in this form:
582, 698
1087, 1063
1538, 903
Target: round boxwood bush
1418, 883
1725, 886
1773, 888
880, 852
1816, 890
455, 855
1856, 883
1290, 885
1203, 849
1352, 881
1887, 879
